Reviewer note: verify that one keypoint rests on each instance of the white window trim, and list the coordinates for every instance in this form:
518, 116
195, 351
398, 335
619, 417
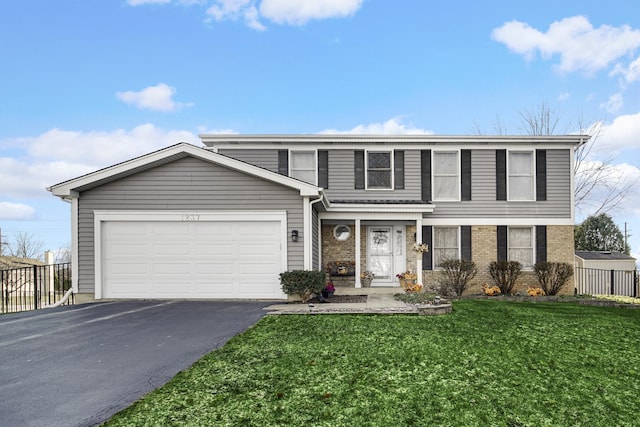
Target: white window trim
366, 169
433, 249
534, 245
533, 175
315, 162
458, 174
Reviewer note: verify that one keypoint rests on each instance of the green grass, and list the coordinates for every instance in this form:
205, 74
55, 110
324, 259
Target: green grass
489, 363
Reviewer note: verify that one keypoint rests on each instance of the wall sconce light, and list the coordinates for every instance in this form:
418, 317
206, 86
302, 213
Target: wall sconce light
294, 235
415, 237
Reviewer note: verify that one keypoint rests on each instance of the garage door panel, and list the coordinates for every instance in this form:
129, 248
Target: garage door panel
170, 229
206, 259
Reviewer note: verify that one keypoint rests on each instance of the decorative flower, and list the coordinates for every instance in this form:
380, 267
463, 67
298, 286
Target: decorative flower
407, 275
329, 287
421, 248
367, 275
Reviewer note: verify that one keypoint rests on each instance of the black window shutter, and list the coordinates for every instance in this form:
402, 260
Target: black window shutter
465, 174
501, 174
323, 169
541, 243
427, 259
398, 167
358, 160
465, 242
283, 162
425, 174
502, 242
541, 175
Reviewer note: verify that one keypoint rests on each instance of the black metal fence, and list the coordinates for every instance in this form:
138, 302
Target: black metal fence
593, 281
31, 288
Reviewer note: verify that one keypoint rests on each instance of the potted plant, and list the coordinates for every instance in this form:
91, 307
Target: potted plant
408, 281
328, 290
365, 278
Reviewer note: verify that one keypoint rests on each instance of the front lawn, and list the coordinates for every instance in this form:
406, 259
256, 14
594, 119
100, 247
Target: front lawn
496, 363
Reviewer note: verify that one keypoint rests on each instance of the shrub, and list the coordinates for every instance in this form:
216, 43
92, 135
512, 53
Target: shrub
456, 274
552, 276
505, 274
303, 283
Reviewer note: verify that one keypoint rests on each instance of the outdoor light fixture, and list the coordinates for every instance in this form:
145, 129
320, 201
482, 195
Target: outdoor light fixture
294, 235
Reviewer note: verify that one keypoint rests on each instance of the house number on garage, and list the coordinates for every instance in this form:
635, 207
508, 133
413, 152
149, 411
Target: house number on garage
191, 217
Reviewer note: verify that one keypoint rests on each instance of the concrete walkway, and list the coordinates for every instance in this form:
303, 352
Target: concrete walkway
377, 303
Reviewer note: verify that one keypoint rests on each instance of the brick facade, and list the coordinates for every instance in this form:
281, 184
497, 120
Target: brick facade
483, 248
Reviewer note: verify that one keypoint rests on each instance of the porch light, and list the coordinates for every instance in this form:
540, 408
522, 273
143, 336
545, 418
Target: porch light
294, 235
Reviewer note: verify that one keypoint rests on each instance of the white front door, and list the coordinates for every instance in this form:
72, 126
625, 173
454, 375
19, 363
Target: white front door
385, 249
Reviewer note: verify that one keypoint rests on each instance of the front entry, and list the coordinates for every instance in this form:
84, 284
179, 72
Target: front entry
386, 253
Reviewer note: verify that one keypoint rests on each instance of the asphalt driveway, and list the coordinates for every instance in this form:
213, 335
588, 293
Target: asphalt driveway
78, 365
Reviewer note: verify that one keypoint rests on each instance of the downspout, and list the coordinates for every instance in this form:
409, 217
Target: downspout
308, 225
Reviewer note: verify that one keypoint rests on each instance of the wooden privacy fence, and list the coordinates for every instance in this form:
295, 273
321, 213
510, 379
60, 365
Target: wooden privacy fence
593, 281
31, 288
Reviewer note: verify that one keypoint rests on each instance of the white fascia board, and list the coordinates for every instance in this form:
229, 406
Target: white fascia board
241, 141
371, 216
497, 221
64, 189
382, 208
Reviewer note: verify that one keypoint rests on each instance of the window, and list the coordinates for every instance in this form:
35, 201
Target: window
520, 245
341, 232
379, 170
521, 175
302, 166
445, 244
446, 179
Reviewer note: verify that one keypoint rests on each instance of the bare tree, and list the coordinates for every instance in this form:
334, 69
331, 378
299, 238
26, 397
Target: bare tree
599, 186
26, 245
63, 255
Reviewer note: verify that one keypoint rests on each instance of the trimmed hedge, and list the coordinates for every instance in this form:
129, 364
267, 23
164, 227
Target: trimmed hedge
303, 283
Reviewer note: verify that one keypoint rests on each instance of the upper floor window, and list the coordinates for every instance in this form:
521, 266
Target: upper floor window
379, 170
302, 166
445, 244
520, 245
446, 175
521, 175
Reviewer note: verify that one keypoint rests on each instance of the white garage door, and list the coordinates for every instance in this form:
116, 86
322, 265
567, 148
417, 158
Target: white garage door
199, 259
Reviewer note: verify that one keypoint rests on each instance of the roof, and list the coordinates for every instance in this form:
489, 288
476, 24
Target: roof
67, 189
603, 255
11, 262
325, 139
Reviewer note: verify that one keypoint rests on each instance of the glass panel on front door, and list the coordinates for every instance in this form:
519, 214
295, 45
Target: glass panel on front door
381, 253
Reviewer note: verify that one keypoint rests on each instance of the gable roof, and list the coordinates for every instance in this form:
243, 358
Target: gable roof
67, 189
603, 255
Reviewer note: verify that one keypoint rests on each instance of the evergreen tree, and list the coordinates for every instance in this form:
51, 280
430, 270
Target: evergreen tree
599, 233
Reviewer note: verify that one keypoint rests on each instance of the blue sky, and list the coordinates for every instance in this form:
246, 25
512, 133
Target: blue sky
86, 84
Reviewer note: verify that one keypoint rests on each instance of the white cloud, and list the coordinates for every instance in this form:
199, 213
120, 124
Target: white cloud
630, 73
58, 155
390, 127
564, 96
622, 133
158, 98
297, 12
10, 211
291, 12
614, 104
579, 45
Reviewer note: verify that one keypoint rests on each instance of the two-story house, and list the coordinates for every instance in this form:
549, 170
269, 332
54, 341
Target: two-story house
223, 221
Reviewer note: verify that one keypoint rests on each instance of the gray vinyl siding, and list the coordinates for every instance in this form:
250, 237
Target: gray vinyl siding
265, 158
341, 179
483, 191
185, 184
